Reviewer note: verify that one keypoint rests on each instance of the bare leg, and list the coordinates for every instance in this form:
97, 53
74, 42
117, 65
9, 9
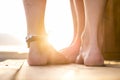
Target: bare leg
74, 15
80, 18
90, 50
40, 52
77, 8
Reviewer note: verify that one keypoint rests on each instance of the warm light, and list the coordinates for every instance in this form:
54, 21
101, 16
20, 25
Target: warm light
58, 22
12, 18
69, 75
13, 22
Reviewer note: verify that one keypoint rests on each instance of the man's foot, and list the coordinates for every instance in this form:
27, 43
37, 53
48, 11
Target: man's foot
93, 57
90, 57
90, 53
72, 51
37, 56
42, 53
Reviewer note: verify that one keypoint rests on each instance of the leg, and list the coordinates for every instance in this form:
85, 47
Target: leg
35, 10
77, 8
40, 52
80, 19
90, 50
74, 15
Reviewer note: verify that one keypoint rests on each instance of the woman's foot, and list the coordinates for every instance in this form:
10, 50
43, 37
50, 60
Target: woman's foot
42, 53
72, 51
90, 53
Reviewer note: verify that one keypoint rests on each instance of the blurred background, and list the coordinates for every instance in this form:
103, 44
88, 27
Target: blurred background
111, 25
12, 25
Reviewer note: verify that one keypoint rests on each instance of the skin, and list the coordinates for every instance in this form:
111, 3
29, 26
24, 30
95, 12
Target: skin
87, 42
40, 52
87, 15
77, 8
90, 51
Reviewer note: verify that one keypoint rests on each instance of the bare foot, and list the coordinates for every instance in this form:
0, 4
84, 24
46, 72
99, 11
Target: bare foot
72, 51
37, 56
90, 53
79, 58
90, 57
93, 57
42, 53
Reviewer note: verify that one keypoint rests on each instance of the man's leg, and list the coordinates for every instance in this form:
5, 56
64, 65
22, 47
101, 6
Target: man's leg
77, 8
90, 50
40, 52
35, 10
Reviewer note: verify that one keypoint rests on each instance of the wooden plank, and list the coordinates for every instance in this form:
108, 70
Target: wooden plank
70, 72
17, 55
9, 68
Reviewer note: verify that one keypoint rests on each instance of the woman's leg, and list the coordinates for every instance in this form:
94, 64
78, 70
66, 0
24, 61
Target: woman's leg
90, 50
74, 15
77, 8
40, 52
78, 19
80, 12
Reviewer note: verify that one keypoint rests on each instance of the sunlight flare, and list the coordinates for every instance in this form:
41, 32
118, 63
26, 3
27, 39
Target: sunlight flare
58, 23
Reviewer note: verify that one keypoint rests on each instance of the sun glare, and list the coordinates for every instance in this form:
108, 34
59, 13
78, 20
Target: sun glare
12, 18
58, 21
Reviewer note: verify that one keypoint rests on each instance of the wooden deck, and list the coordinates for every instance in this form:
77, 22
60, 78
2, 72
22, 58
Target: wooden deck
16, 69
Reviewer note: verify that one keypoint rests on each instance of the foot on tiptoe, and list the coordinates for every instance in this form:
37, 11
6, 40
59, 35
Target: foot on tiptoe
72, 51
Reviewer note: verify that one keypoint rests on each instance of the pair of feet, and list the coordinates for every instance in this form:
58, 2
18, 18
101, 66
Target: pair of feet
42, 53
89, 55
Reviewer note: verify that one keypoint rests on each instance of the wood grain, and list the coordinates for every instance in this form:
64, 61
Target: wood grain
9, 68
70, 72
